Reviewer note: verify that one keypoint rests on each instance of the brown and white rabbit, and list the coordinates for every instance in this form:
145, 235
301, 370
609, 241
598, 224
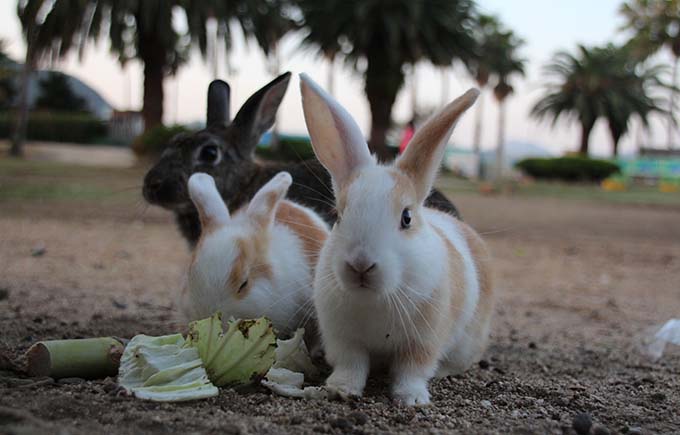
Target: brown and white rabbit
258, 262
396, 282
225, 149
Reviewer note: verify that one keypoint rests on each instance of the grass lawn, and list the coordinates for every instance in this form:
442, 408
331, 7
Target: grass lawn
25, 180
639, 195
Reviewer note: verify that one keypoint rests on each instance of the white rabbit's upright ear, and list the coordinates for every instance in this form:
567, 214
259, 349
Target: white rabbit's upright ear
262, 207
424, 152
212, 211
336, 138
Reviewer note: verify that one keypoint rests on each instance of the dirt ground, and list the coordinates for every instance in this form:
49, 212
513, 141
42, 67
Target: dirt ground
579, 283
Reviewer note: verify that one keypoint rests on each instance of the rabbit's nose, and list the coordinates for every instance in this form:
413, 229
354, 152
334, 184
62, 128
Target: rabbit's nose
361, 267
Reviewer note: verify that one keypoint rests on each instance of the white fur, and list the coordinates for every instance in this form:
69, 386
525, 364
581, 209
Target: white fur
374, 317
285, 299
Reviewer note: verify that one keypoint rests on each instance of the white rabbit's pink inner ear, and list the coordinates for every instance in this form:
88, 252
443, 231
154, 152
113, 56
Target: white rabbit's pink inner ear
424, 153
337, 140
262, 207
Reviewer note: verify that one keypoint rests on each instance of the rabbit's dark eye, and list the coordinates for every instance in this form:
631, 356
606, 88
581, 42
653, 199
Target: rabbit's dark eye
406, 219
245, 283
209, 154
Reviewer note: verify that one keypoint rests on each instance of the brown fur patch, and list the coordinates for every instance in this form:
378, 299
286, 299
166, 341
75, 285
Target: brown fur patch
482, 260
456, 278
341, 197
305, 228
433, 320
404, 195
418, 354
250, 263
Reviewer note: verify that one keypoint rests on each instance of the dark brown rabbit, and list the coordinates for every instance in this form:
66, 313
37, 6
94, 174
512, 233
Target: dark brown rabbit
226, 151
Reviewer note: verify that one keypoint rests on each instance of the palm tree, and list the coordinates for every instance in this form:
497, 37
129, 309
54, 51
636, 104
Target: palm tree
599, 82
381, 37
485, 32
656, 24
634, 86
271, 23
141, 29
504, 63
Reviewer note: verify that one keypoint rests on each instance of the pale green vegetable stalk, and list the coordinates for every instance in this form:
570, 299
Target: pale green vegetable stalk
245, 350
84, 358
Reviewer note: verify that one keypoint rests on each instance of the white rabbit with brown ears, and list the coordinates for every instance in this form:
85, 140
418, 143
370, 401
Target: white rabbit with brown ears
257, 262
396, 281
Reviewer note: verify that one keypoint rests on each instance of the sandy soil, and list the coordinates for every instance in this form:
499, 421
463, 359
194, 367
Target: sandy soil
96, 155
579, 282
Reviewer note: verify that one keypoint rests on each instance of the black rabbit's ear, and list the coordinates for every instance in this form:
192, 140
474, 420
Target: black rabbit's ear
258, 113
218, 104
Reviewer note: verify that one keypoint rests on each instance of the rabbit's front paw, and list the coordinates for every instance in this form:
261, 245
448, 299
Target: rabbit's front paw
414, 394
343, 387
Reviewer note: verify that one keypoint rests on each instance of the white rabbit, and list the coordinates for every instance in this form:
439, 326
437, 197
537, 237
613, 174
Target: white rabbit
396, 282
258, 262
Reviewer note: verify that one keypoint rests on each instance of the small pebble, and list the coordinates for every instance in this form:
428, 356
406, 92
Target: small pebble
109, 384
296, 419
340, 423
532, 345
359, 418
634, 431
486, 403
582, 423
118, 304
4, 293
38, 250
484, 364
71, 381
658, 397
599, 429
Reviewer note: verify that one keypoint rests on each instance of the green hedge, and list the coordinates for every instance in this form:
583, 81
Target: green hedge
290, 149
568, 168
56, 127
152, 142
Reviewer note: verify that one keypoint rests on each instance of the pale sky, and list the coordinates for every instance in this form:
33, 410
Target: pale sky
546, 25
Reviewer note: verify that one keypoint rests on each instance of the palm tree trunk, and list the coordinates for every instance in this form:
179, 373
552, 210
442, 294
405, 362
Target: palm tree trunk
17, 148
275, 143
616, 137
414, 92
586, 128
500, 154
152, 55
615, 143
445, 86
671, 118
19, 134
382, 85
330, 78
477, 138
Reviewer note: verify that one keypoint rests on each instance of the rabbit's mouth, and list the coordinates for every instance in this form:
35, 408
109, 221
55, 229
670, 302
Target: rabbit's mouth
169, 195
